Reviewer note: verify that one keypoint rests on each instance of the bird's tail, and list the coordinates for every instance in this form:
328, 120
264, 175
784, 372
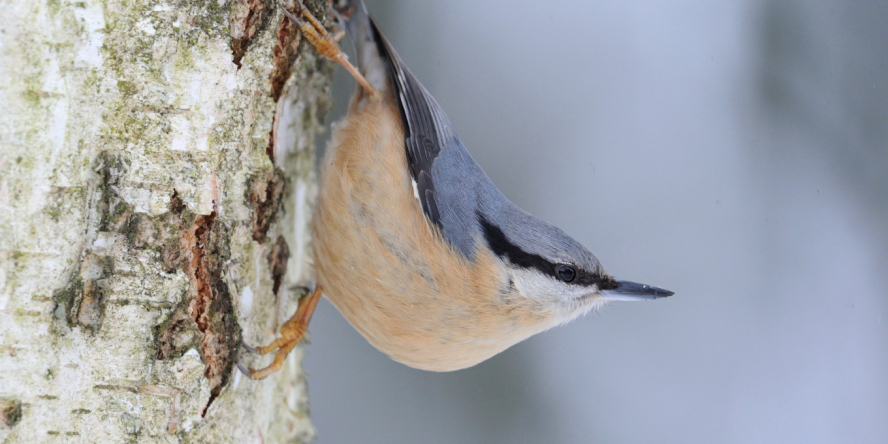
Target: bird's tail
371, 55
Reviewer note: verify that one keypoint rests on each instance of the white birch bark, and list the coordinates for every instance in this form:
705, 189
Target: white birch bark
144, 221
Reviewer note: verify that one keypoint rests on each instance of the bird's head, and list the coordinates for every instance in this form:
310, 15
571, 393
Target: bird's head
548, 266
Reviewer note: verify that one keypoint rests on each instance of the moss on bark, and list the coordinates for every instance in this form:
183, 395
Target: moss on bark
130, 262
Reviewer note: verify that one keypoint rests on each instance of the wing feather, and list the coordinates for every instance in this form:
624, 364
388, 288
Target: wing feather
427, 128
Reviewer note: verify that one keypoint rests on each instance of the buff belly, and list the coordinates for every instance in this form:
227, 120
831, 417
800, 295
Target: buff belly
392, 275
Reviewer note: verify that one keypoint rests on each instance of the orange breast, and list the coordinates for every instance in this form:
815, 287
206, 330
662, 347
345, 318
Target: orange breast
390, 273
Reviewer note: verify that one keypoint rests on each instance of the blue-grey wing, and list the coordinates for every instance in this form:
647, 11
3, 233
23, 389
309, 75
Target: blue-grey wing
445, 194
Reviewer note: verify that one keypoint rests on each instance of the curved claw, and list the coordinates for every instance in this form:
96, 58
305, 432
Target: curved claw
292, 332
244, 369
324, 43
290, 14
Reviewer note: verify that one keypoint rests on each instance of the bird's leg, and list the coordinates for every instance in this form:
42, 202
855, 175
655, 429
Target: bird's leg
291, 333
326, 44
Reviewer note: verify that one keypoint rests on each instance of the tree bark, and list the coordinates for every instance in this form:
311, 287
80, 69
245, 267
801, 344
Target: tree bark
156, 181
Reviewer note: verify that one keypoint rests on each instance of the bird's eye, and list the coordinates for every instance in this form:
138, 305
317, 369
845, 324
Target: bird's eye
566, 273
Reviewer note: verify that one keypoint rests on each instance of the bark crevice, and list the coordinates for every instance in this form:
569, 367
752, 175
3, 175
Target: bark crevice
248, 18
204, 250
265, 198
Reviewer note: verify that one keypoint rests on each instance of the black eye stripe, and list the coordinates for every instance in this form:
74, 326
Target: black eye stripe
588, 279
502, 247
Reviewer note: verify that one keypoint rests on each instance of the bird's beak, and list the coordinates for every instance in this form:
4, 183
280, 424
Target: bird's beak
631, 291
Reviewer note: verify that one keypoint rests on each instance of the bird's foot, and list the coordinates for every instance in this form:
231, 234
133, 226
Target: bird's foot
292, 333
324, 42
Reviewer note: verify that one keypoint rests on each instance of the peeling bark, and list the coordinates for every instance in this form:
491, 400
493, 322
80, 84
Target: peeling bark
156, 181
285, 51
211, 306
247, 19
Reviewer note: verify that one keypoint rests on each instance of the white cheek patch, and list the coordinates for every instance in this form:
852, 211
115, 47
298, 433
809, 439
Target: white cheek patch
581, 309
539, 287
566, 301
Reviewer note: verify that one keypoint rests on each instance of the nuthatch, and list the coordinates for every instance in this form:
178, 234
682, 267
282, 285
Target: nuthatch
414, 244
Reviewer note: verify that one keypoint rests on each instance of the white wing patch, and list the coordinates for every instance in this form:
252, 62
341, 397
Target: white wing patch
415, 191
425, 217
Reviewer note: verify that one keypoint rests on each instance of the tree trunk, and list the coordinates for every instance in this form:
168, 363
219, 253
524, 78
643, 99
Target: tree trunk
156, 183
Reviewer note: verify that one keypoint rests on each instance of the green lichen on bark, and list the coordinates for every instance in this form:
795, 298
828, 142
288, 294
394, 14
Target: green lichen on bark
112, 108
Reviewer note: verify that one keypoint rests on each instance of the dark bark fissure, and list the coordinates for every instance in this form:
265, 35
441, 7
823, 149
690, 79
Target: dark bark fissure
284, 55
211, 307
244, 28
201, 250
265, 197
277, 260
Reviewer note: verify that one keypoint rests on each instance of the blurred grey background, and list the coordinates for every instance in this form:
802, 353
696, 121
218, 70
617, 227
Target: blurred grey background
735, 152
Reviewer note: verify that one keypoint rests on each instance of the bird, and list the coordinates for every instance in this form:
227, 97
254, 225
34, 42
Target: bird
413, 243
